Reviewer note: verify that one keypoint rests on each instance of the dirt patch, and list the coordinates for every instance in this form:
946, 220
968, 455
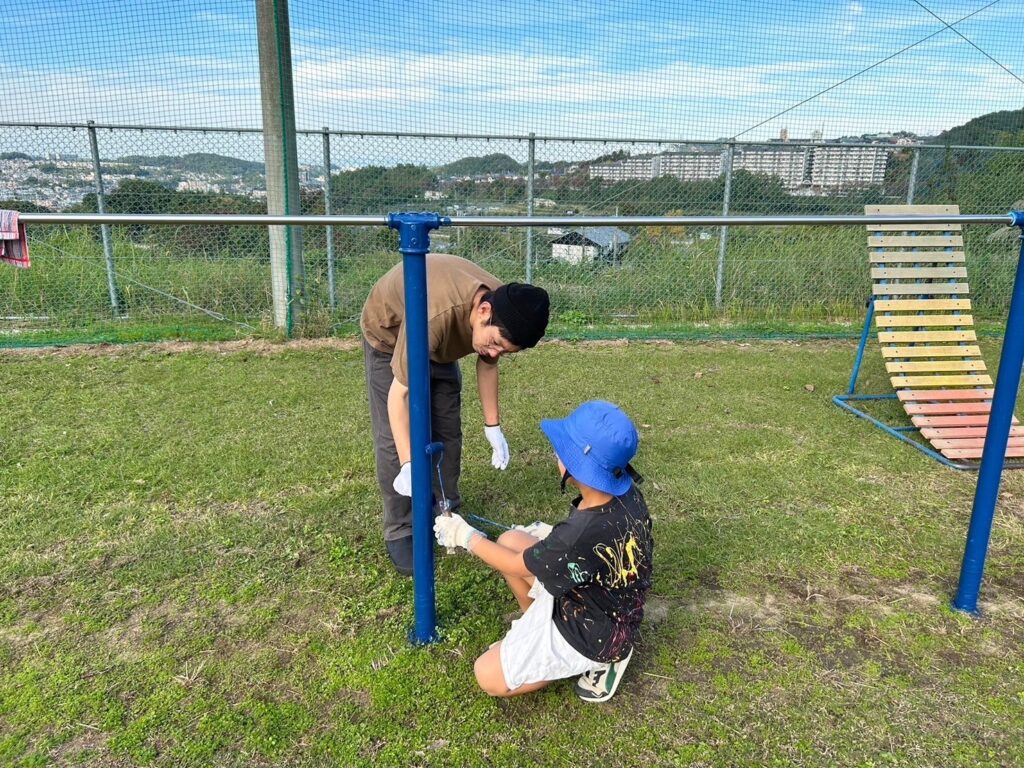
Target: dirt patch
253, 346
349, 344
90, 743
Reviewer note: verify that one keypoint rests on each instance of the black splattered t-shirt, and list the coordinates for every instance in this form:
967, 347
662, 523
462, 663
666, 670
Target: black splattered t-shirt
597, 565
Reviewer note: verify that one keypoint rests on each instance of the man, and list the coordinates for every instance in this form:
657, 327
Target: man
469, 311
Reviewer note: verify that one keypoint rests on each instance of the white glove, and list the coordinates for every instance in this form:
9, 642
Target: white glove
403, 482
453, 531
499, 458
538, 530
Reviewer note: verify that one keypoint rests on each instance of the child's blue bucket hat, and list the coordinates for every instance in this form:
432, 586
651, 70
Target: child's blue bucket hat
595, 443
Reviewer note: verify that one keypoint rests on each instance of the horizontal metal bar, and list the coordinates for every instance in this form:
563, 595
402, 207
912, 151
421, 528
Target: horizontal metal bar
507, 137
714, 221
506, 221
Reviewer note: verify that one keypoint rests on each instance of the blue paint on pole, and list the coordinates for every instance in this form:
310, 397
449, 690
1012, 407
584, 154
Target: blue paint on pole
414, 243
994, 453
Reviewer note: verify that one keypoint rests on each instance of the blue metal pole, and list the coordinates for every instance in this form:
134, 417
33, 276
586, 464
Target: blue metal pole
994, 453
414, 243
860, 347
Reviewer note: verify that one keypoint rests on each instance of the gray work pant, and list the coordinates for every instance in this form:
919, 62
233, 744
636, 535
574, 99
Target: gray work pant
446, 425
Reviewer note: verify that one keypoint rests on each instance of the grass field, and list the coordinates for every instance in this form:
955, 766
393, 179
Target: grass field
191, 570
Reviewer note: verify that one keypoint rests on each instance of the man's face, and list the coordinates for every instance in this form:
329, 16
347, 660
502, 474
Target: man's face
487, 339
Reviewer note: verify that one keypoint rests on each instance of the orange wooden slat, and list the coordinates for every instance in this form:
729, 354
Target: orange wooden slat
948, 350
1012, 452
972, 442
933, 433
953, 421
938, 409
892, 337
945, 394
922, 321
982, 380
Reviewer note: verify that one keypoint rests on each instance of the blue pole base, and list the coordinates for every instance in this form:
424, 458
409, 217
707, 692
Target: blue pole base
971, 611
416, 639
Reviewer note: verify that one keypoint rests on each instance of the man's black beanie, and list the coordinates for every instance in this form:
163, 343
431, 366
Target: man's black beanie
522, 310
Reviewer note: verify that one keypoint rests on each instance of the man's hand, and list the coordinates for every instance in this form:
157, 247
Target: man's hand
499, 457
453, 531
403, 482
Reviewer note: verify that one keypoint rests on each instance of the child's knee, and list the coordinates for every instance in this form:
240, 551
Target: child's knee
489, 676
516, 540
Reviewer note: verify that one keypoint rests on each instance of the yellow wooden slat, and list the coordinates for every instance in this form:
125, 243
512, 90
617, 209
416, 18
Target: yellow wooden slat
916, 257
900, 228
922, 321
918, 289
920, 273
950, 350
941, 381
918, 209
920, 241
900, 337
932, 366
921, 305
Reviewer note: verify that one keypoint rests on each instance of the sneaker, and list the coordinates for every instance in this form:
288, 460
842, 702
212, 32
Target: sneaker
400, 552
601, 683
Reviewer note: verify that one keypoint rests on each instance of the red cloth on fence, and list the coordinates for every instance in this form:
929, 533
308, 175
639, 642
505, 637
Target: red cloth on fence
13, 240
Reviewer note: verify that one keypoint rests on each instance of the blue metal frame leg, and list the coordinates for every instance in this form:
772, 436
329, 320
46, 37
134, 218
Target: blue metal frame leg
414, 243
994, 453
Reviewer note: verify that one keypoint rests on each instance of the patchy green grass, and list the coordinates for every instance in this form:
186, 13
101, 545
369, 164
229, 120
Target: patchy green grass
192, 572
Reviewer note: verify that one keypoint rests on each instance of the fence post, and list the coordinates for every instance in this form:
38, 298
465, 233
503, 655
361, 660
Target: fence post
327, 212
280, 154
529, 206
912, 182
108, 245
723, 236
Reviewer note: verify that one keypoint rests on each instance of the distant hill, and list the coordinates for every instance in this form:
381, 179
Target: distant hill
198, 162
989, 130
478, 166
14, 156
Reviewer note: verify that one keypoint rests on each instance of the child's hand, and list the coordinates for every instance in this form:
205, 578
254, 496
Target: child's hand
538, 530
453, 531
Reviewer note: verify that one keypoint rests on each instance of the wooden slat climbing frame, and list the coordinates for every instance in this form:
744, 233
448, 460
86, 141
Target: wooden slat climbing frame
924, 322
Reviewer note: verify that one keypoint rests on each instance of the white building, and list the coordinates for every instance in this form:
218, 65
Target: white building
589, 244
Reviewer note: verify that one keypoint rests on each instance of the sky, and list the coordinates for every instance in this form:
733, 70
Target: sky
621, 69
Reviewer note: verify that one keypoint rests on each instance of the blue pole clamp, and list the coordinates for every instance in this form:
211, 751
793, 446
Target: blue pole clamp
414, 243
993, 455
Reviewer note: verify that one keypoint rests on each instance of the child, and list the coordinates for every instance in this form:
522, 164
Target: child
582, 586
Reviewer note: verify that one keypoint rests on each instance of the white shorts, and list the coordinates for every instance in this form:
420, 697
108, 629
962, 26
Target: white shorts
534, 649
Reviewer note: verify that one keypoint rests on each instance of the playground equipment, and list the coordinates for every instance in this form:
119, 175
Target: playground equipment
414, 244
921, 306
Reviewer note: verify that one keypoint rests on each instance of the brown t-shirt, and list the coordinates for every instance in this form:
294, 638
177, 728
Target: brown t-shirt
452, 283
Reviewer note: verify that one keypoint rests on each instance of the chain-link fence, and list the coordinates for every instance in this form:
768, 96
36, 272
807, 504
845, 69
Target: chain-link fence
639, 281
